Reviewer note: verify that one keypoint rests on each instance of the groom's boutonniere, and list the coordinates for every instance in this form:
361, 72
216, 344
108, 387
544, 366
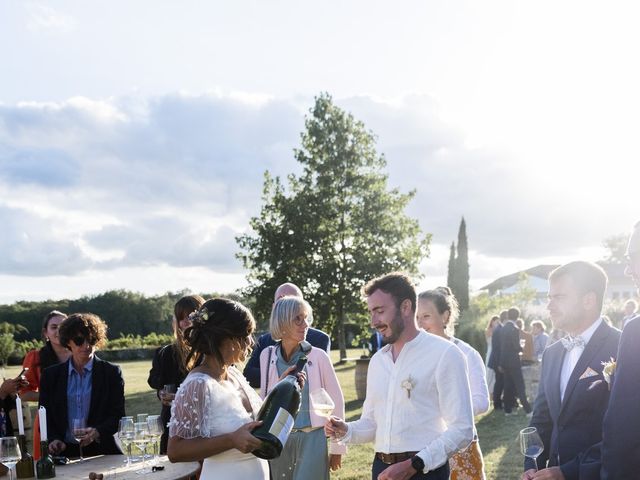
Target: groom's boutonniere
408, 385
608, 371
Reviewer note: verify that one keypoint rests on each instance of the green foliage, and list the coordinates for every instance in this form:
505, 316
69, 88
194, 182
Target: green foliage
458, 271
137, 341
7, 347
616, 246
333, 227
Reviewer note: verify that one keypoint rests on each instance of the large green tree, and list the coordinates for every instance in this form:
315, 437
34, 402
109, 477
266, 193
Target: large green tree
334, 226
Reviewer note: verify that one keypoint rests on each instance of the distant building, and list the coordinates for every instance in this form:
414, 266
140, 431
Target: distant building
621, 287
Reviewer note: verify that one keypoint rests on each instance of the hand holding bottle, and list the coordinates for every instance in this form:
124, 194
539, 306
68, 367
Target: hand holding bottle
301, 376
243, 440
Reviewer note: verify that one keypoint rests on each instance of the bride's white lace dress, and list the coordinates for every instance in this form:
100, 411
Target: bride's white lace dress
205, 407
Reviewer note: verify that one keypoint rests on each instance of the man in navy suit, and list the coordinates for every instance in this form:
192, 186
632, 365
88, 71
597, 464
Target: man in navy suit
316, 338
573, 394
510, 364
494, 361
618, 456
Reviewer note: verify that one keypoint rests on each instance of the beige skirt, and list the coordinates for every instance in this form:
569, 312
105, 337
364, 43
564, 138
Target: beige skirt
467, 464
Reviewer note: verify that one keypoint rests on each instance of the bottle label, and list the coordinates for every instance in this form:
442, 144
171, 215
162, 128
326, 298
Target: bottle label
282, 425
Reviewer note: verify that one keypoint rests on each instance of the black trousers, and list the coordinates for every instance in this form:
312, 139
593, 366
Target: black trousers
440, 473
498, 388
514, 387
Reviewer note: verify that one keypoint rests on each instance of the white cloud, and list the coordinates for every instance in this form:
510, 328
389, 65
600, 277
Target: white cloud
44, 18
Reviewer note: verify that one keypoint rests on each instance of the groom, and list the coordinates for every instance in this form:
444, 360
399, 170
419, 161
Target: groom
573, 393
620, 447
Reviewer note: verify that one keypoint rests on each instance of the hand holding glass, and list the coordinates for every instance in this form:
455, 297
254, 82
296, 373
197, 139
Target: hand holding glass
79, 432
531, 444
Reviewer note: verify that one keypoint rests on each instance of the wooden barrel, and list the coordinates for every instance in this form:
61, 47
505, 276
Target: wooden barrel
362, 367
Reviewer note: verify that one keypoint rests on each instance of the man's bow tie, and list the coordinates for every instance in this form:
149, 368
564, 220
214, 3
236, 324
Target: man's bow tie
570, 342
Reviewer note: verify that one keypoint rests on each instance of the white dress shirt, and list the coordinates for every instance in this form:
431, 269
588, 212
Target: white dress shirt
477, 377
571, 357
433, 417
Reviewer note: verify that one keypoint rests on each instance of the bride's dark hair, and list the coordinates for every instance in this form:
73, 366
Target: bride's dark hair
217, 320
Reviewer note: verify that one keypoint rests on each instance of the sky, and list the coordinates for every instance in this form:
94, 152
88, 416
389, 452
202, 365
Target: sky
134, 135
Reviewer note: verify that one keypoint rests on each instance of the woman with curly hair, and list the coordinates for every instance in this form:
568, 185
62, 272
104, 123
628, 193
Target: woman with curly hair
169, 365
84, 387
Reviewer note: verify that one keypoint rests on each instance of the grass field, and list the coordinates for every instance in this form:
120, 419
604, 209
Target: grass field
498, 434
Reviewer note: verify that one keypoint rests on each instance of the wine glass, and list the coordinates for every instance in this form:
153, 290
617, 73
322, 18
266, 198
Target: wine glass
531, 444
126, 431
141, 439
9, 453
79, 431
154, 422
321, 402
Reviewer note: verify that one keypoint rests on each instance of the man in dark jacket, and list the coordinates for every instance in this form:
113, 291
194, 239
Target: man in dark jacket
511, 365
494, 361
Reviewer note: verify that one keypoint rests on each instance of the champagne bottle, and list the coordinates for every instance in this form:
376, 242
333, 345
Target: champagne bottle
24, 467
45, 468
278, 414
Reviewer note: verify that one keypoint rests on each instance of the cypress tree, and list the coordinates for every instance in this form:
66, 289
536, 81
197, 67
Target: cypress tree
462, 268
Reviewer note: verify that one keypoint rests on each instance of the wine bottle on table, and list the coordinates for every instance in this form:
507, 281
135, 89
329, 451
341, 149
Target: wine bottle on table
24, 467
278, 414
45, 468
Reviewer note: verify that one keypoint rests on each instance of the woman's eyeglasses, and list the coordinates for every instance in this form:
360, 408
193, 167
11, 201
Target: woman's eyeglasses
301, 319
79, 340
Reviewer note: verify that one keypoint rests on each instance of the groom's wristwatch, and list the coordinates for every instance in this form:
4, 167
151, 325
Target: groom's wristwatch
417, 463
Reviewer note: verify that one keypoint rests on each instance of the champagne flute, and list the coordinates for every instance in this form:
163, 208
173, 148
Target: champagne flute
531, 444
79, 431
154, 422
10, 453
321, 403
125, 434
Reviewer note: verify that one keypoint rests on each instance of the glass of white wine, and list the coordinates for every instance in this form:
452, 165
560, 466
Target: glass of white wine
531, 444
125, 435
10, 453
321, 402
79, 431
141, 439
154, 422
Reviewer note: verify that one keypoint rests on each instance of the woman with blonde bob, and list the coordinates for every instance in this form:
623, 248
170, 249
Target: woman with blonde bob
305, 455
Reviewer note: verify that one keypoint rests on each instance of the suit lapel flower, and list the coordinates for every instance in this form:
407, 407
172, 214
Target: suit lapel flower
408, 385
608, 371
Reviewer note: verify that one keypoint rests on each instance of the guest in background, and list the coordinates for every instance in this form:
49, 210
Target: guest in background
305, 455
540, 338
630, 311
376, 342
169, 365
316, 338
36, 361
488, 334
511, 365
84, 387
494, 361
437, 313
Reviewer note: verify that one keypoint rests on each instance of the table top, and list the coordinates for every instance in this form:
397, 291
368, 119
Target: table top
113, 467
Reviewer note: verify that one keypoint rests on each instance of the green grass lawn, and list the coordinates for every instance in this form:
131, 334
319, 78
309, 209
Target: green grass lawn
498, 434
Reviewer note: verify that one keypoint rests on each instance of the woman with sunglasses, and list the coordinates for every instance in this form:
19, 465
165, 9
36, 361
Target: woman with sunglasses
84, 387
305, 455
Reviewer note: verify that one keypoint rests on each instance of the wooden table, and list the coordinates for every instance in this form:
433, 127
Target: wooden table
113, 467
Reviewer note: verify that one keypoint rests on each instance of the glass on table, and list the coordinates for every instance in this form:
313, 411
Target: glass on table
126, 431
154, 422
10, 453
141, 439
531, 444
79, 432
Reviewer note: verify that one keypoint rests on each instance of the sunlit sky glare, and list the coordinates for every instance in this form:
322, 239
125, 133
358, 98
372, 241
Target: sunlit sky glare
134, 135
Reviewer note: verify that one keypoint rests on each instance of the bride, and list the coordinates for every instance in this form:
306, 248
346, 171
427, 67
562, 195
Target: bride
215, 408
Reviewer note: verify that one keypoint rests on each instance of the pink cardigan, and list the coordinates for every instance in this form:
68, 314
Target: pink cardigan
320, 373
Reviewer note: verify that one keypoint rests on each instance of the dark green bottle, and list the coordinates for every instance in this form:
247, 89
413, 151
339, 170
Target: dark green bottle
24, 467
278, 414
45, 468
